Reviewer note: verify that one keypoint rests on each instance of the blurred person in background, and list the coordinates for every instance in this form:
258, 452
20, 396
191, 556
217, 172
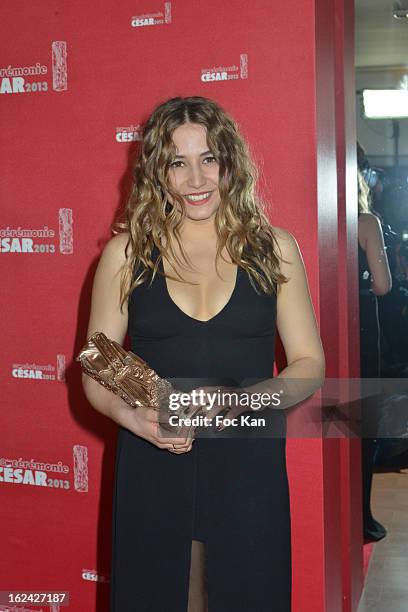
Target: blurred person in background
374, 280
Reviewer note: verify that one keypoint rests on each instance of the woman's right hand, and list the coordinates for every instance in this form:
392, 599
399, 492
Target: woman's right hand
144, 422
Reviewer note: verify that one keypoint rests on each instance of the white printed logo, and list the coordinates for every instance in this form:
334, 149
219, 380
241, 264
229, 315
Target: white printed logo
43, 240
65, 231
129, 134
34, 371
93, 576
80, 468
35, 473
13, 78
151, 19
59, 65
226, 73
61, 368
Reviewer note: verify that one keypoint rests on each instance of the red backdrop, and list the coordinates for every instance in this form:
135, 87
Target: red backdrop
76, 82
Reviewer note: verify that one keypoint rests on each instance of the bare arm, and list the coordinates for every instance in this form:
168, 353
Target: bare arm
297, 327
373, 240
105, 316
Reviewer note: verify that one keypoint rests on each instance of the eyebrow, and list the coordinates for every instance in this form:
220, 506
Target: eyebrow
201, 155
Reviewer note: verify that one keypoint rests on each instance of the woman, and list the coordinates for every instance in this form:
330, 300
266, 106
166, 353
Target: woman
201, 512
374, 280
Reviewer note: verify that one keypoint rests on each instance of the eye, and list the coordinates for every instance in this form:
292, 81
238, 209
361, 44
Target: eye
211, 157
173, 164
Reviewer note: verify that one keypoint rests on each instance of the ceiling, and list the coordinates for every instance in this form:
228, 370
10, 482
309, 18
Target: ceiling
381, 40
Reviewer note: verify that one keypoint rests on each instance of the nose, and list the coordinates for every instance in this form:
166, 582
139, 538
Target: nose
196, 176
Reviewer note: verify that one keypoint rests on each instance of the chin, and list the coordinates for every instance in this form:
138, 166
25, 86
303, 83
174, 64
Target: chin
200, 213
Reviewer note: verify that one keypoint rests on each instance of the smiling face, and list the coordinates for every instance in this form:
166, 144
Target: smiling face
194, 172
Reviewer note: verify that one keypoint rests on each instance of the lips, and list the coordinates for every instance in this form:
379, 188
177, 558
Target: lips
200, 200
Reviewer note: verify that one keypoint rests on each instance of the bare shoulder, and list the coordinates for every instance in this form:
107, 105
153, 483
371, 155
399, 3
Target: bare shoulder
369, 221
112, 258
369, 227
367, 217
287, 243
106, 313
115, 248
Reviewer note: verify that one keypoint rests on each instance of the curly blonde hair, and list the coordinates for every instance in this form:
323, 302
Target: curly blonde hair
364, 194
241, 223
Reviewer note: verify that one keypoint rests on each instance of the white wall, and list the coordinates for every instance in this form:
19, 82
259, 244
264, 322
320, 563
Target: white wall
375, 135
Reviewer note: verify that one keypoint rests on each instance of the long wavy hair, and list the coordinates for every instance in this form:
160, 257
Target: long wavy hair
364, 195
240, 220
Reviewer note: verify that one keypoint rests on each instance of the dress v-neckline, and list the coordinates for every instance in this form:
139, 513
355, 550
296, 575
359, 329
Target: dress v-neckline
187, 316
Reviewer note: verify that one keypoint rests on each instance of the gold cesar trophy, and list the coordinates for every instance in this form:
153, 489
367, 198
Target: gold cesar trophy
125, 374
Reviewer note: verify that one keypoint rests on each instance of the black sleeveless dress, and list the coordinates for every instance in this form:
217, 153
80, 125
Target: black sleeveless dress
369, 321
230, 493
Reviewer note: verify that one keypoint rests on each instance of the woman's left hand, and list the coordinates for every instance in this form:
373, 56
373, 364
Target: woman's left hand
211, 401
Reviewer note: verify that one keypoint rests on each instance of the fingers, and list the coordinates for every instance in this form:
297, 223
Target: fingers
217, 409
178, 445
182, 442
173, 448
207, 405
230, 414
150, 429
180, 452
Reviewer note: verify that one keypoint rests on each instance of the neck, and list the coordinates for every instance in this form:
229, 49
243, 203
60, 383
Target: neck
202, 230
